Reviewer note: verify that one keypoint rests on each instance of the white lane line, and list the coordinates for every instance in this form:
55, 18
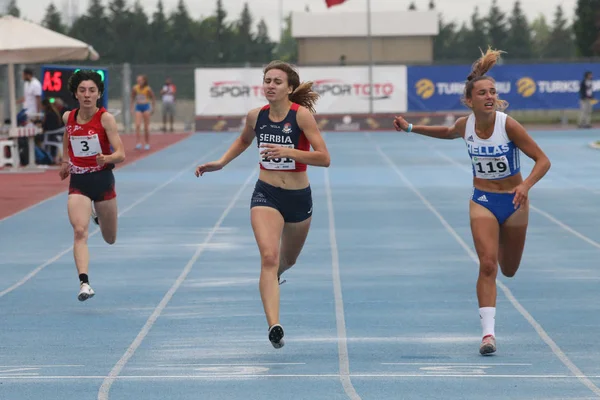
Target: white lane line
538, 328
114, 373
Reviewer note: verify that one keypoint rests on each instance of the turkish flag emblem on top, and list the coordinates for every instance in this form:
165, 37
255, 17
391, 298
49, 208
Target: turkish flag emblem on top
331, 3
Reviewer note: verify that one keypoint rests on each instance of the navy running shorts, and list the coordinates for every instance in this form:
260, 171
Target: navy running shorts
98, 186
294, 205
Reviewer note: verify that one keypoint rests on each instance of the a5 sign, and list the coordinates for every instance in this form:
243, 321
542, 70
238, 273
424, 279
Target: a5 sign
55, 80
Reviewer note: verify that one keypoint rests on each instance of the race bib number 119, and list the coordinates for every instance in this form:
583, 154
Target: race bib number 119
491, 167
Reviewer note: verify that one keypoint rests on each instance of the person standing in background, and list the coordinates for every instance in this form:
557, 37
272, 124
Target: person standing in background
168, 102
586, 97
142, 107
32, 94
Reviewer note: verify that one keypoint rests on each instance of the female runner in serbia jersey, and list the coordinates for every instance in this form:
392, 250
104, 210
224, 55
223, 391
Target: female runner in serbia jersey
281, 205
499, 206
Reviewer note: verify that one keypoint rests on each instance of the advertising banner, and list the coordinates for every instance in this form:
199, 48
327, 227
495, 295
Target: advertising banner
334, 123
525, 87
343, 90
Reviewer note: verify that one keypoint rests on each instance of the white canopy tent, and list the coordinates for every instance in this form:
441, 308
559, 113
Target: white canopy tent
23, 42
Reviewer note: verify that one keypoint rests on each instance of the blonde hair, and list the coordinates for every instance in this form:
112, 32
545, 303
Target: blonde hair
478, 73
302, 93
145, 79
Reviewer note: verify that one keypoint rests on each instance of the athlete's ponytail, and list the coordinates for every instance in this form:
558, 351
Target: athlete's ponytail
302, 93
478, 73
305, 96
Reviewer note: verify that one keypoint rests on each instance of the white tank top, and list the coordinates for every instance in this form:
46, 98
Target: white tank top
496, 157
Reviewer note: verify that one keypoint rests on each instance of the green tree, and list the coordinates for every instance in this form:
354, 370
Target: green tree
287, 49
264, 46
119, 27
52, 20
465, 47
211, 49
519, 44
541, 36
444, 44
92, 28
561, 43
13, 9
412, 6
159, 32
497, 30
184, 44
218, 37
244, 38
140, 32
224, 34
585, 28
474, 39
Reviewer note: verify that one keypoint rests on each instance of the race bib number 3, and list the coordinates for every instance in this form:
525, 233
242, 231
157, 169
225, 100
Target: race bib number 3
85, 146
491, 167
277, 163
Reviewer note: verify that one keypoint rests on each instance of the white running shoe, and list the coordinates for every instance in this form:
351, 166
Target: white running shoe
85, 292
276, 336
488, 345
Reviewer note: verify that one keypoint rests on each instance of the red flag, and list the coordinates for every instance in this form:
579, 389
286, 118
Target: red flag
331, 3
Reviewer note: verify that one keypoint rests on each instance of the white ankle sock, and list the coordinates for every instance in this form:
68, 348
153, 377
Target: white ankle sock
488, 320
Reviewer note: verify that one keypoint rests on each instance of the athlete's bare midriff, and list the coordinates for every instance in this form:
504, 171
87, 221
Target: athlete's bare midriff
285, 180
505, 185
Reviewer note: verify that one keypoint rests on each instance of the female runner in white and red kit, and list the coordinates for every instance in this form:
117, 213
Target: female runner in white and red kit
89, 134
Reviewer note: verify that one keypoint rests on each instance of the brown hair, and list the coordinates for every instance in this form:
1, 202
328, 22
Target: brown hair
302, 93
50, 107
478, 71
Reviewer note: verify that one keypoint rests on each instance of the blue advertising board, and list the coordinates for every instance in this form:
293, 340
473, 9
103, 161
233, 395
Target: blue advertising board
525, 86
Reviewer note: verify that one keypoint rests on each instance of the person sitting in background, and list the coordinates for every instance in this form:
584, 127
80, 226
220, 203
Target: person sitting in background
60, 106
51, 122
52, 119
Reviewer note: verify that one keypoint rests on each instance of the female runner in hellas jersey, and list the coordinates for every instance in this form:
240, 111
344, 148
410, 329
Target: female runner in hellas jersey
281, 205
89, 133
499, 206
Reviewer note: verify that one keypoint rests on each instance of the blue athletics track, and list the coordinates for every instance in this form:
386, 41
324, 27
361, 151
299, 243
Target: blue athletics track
381, 304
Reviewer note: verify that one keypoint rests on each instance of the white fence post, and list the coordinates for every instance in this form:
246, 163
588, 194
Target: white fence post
126, 97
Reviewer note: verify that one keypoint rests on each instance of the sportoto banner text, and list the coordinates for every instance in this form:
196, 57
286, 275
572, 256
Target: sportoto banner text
344, 90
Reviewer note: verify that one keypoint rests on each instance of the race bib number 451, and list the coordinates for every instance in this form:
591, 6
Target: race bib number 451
491, 167
277, 163
85, 146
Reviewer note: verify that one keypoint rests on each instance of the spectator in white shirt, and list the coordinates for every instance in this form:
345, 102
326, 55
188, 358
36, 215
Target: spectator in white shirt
32, 94
168, 102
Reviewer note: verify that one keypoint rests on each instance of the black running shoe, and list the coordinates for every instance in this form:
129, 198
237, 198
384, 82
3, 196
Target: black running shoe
276, 336
95, 216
